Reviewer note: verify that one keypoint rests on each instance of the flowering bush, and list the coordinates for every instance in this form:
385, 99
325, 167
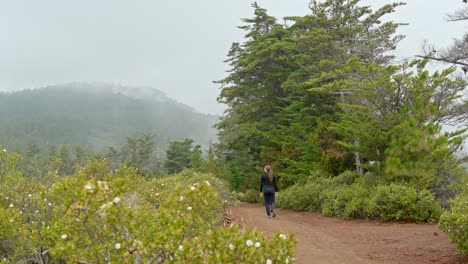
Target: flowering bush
99, 216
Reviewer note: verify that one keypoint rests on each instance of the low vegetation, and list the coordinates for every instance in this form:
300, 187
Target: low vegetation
103, 216
362, 199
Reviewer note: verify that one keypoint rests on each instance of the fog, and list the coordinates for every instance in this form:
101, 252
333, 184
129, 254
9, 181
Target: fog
177, 47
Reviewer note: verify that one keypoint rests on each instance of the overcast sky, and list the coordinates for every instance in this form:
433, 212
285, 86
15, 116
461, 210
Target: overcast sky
176, 46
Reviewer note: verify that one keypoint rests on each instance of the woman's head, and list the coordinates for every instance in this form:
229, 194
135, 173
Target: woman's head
269, 171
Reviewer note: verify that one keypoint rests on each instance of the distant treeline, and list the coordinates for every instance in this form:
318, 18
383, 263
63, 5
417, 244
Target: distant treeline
140, 152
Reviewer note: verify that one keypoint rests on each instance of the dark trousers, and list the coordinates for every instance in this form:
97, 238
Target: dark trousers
269, 198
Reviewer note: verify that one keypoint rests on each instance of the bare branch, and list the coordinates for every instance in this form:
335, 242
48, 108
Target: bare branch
442, 60
458, 15
456, 54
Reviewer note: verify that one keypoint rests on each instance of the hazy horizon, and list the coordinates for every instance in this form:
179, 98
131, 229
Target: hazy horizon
175, 47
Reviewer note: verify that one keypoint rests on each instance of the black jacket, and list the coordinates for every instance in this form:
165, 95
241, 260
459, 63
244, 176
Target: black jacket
265, 181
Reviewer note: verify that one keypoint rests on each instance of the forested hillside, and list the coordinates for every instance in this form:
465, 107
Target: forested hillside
96, 117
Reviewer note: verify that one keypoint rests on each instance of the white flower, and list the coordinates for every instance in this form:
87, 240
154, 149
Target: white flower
116, 200
37, 211
117, 245
50, 204
181, 198
207, 183
257, 244
181, 247
6, 198
249, 243
64, 236
11, 220
192, 188
189, 208
157, 194
283, 236
4, 150
29, 195
287, 259
11, 205
269, 261
231, 247
88, 187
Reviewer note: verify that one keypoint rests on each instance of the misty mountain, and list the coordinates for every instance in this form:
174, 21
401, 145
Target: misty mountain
97, 116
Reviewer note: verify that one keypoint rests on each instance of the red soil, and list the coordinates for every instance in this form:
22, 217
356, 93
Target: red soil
335, 241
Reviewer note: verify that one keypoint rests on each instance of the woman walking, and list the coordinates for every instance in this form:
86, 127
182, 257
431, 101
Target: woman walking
269, 189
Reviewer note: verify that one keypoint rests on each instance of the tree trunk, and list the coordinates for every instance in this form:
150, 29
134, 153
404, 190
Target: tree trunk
357, 158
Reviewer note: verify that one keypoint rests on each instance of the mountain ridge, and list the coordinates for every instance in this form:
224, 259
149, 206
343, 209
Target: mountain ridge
97, 116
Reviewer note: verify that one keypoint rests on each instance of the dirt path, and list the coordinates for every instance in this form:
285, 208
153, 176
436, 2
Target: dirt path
334, 241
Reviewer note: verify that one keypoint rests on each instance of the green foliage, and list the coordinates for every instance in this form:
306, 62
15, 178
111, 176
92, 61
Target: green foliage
251, 196
212, 164
304, 197
182, 154
282, 89
348, 201
415, 153
97, 216
350, 195
236, 246
403, 203
454, 222
140, 152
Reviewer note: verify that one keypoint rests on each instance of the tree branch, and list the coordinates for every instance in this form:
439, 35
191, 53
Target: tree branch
443, 60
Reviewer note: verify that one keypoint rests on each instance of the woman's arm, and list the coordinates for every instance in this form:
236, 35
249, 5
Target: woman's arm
261, 184
275, 183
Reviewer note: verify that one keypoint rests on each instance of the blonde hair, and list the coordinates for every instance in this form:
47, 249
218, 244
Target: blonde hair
269, 171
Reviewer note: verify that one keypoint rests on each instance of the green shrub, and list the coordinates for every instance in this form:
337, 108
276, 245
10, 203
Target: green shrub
345, 178
403, 203
351, 201
304, 197
252, 196
455, 222
329, 197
